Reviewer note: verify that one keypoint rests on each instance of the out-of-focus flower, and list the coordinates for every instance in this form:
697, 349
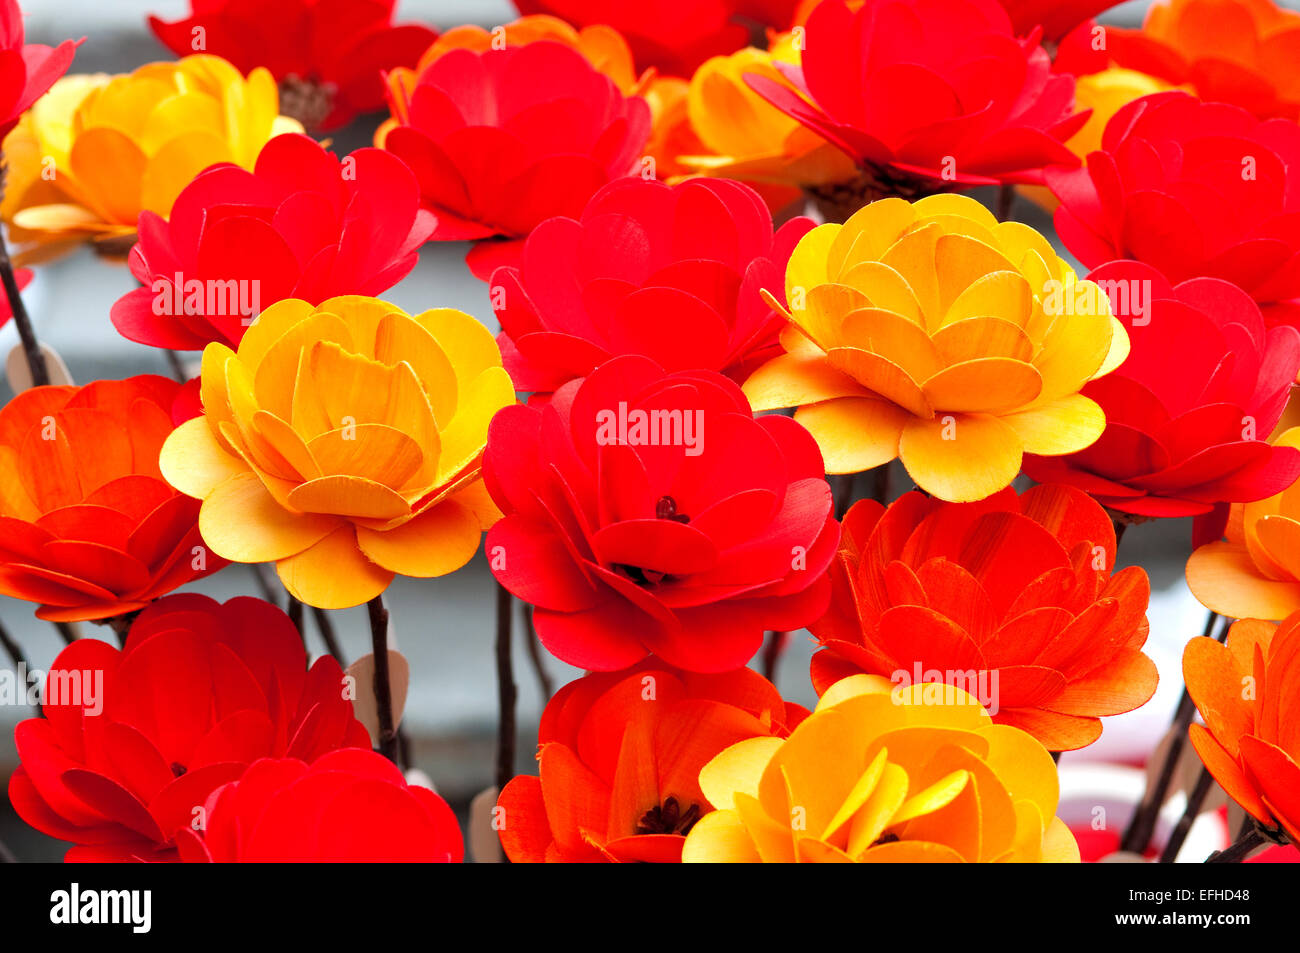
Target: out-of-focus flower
502, 139
343, 441
1012, 599
926, 96
1227, 51
673, 273
1195, 190
302, 224
1255, 572
651, 513
1189, 412
98, 150
1248, 692
620, 755
88, 527
328, 56
671, 36
749, 139
934, 333
134, 741
350, 806
32, 69
913, 775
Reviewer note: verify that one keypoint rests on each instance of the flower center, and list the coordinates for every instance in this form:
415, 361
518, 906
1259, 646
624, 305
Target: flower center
668, 818
177, 769
666, 509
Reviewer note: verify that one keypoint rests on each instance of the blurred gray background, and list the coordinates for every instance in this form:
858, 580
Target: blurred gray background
445, 627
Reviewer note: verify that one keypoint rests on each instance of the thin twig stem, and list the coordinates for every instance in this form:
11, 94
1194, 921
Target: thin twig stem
382, 683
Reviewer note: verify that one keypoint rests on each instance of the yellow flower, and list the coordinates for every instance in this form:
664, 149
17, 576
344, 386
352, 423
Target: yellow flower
931, 332
97, 150
1105, 93
751, 140
344, 442
879, 774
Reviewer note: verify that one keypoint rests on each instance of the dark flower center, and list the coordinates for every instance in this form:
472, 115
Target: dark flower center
666, 509
668, 818
177, 768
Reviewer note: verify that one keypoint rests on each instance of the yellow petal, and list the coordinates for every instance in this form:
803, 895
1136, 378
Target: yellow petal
894, 337
242, 522
400, 338
738, 768
882, 376
790, 380
719, 838
857, 796
466, 436
194, 462
333, 574
854, 433
348, 496
885, 288
879, 810
971, 338
987, 385
807, 267
440, 540
960, 457
868, 233
1059, 845
912, 256
1000, 294
1065, 425
374, 451
277, 368
110, 169
1223, 578
468, 344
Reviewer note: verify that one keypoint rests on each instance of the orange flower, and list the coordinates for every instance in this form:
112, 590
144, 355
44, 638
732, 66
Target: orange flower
620, 756
1228, 51
1255, 573
915, 775
1248, 692
1013, 598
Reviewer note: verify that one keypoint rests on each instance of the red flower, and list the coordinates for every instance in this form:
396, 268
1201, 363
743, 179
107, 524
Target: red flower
501, 140
348, 806
302, 224
1056, 17
620, 755
1193, 189
651, 513
32, 69
1011, 599
929, 95
672, 36
669, 272
88, 527
330, 53
134, 741
1189, 412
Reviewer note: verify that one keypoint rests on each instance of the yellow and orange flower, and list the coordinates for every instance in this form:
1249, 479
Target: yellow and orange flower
1248, 692
344, 441
750, 139
1226, 51
931, 332
1255, 572
884, 775
97, 150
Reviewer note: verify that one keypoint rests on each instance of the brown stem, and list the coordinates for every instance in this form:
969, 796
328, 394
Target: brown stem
266, 582
1006, 199
1138, 834
21, 665
31, 347
535, 654
506, 690
1195, 801
69, 634
295, 616
326, 626
772, 651
382, 683
1240, 850
176, 365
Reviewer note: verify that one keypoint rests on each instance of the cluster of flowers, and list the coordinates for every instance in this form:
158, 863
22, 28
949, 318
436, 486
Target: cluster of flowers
699, 362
